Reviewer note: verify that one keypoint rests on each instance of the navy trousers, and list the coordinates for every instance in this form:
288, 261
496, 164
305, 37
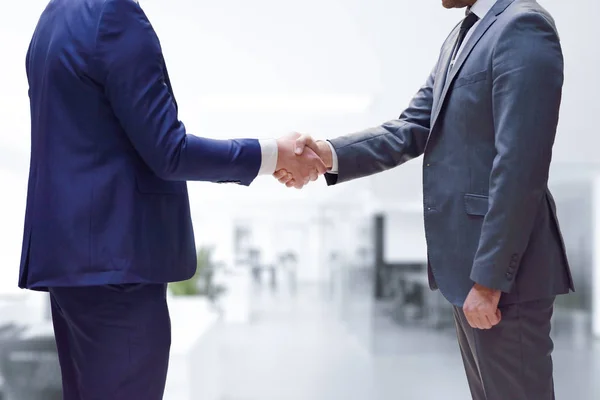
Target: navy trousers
113, 341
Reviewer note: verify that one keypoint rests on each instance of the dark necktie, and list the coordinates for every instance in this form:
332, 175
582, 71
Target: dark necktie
466, 25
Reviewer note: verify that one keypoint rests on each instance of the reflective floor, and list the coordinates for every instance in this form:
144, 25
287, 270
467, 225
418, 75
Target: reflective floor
324, 344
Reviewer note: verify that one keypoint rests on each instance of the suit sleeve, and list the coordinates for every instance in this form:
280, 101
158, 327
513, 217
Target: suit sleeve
388, 145
527, 86
131, 69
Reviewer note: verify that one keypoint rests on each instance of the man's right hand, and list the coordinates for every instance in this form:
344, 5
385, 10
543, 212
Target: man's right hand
302, 142
297, 164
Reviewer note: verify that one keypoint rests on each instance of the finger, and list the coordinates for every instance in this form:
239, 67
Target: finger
472, 321
493, 318
314, 175
280, 174
498, 316
301, 144
285, 179
316, 163
478, 324
290, 183
321, 168
484, 322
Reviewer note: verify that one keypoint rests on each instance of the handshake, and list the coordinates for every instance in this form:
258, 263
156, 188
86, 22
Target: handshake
301, 159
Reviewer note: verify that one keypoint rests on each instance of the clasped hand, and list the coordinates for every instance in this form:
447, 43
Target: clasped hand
301, 160
481, 307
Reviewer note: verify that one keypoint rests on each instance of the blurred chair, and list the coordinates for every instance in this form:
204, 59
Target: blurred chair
288, 265
407, 286
29, 363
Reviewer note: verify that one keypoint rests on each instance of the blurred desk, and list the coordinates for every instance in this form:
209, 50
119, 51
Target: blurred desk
194, 365
29, 362
236, 301
407, 285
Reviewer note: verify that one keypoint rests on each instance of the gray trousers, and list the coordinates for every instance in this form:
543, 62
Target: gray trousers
513, 360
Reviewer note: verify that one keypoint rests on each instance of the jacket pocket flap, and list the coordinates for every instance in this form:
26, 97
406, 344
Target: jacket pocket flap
476, 204
470, 79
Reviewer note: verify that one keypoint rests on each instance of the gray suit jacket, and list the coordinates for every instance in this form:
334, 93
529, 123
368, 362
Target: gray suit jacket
486, 131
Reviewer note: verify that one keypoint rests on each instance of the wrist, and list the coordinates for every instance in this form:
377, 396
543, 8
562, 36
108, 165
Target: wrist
325, 153
484, 289
283, 147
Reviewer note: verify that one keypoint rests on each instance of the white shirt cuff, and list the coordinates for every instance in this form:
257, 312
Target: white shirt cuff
269, 152
334, 159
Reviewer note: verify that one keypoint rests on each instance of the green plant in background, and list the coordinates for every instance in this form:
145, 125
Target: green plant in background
200, 284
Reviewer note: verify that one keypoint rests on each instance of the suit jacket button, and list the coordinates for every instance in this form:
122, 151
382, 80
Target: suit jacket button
509, 276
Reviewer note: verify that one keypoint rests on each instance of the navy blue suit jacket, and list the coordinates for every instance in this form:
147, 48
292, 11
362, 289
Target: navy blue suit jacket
107, 200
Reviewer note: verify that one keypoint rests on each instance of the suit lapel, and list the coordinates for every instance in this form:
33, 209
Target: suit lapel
442, 72
479, 32
481, 29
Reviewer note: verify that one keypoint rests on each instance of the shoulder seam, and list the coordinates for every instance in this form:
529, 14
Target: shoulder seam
100, 17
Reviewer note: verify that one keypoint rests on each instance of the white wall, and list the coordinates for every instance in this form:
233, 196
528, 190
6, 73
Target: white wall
578, 26
404, 237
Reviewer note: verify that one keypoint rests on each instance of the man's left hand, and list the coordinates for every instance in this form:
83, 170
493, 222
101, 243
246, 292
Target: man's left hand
481, 307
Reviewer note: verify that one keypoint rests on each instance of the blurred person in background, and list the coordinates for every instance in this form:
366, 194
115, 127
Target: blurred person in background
107, 222
485, 121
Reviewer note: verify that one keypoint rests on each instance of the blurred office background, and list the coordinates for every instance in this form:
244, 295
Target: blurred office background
316, 294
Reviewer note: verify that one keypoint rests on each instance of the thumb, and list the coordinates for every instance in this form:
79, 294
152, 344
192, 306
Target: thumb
302, 142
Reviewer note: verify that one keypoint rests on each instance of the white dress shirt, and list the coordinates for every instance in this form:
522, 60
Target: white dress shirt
268, 150
480, 8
